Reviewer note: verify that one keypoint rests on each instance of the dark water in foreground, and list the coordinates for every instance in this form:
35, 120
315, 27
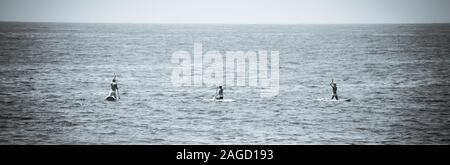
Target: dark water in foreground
53, 78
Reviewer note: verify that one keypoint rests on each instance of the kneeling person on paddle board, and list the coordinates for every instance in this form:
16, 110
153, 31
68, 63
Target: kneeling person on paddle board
219, 93
114, 88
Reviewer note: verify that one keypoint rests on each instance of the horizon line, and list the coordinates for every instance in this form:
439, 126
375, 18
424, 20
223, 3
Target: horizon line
186, 23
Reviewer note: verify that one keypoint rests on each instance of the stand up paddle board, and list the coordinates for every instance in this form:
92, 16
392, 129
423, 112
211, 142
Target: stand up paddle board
219, 100
323, 99
110, 98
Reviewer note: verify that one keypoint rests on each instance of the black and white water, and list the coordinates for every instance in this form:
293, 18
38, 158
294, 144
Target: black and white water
54, 77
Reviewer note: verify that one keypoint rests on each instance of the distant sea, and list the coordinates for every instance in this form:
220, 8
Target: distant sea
54, 77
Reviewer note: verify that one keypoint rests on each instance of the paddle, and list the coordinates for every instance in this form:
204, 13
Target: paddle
215, 96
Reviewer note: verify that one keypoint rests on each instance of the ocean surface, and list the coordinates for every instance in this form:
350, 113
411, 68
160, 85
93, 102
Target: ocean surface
54, 77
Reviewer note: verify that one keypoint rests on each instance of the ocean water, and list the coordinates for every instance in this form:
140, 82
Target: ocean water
54, 77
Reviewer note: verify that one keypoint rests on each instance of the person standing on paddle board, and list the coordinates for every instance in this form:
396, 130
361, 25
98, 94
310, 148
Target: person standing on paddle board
219, 93
334, 86
114, 88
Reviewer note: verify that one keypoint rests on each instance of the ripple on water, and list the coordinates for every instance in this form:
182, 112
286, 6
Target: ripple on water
398, 94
